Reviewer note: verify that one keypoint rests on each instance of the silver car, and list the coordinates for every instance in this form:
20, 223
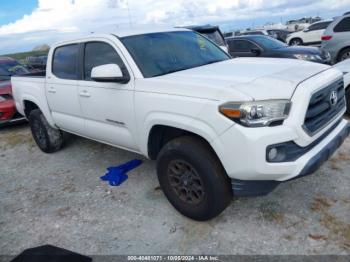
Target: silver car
336, 38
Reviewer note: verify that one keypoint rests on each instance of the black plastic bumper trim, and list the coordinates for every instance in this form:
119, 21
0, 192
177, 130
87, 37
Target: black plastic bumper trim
247, 188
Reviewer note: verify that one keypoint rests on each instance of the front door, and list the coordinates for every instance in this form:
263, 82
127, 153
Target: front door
108, 107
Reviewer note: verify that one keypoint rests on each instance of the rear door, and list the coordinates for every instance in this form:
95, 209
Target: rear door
108, 107
62, 88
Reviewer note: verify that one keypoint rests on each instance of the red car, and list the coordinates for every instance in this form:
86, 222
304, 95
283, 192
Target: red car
9, 67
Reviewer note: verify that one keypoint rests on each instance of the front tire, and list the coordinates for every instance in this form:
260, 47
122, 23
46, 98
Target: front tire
48, 139
193, 179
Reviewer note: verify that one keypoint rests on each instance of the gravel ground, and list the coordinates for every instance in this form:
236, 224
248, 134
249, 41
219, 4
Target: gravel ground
59, 199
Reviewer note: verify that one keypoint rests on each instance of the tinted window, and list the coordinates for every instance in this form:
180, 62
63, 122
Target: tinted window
98, 53
215, 36
163, 53
268, 42
65, 62
319, 26
343, 25
241, 46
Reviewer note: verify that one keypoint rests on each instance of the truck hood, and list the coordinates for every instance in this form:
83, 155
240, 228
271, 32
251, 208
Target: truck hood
258, 78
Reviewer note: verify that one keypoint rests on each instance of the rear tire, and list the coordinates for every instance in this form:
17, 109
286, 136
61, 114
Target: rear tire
48, 139
295, 42
344, 54
193, 179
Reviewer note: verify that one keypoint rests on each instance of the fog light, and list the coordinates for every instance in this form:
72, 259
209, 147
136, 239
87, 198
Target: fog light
272, 154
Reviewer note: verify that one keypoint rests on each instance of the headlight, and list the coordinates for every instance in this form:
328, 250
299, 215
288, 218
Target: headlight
257, 113
2, 98
308, 57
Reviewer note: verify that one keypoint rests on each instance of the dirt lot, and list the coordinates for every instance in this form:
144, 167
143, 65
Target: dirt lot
59, 199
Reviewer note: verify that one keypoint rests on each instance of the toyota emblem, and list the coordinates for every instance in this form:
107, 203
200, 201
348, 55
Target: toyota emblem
333, 98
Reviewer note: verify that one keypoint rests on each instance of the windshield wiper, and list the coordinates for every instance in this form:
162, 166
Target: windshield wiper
214, 61
182, 69
172, 71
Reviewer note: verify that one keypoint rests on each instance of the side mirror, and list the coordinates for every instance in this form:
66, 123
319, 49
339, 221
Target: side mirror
109, 73
256, 51
306, 30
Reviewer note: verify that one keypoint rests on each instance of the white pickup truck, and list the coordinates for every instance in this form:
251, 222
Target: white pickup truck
218, 127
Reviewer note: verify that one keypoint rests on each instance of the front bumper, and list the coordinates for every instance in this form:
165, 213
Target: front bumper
259, 187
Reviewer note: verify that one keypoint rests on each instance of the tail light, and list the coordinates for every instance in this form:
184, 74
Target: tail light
326, 37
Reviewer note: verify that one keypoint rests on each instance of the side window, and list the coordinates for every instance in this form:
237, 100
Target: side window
343, 25
65, 60
241, 46
98, 53
324, 25
319, 26
314, 27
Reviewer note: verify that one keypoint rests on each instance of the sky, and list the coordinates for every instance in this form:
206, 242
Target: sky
25, 24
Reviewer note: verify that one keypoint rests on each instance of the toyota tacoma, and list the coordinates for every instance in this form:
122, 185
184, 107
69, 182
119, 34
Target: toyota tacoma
218, 127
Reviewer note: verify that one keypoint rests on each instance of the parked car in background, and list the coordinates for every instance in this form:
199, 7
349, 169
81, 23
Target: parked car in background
300, 24
254, 32
37, 62
310, 35
265, 46
8, 112
344, 66
213, 33
218, 127
279, 34
336, 39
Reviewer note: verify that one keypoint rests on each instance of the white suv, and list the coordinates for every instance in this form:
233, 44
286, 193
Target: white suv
310, 35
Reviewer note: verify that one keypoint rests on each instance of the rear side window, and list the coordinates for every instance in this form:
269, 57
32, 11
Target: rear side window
241, 46
343, 25
65, 62
319, 26
215, 36
98, 53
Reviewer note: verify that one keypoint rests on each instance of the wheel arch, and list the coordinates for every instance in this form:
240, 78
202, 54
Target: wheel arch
30, 103
161, 128
341, 50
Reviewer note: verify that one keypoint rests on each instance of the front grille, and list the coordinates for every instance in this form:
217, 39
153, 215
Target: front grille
320, 111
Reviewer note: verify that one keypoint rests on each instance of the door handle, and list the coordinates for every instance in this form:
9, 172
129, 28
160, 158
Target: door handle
52, 90
84, 93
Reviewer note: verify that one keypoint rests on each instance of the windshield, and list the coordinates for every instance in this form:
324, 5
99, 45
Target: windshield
163, 53
9, 68
268, 42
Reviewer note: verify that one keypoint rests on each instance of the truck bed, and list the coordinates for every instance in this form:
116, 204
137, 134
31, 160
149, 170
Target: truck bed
29, 86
